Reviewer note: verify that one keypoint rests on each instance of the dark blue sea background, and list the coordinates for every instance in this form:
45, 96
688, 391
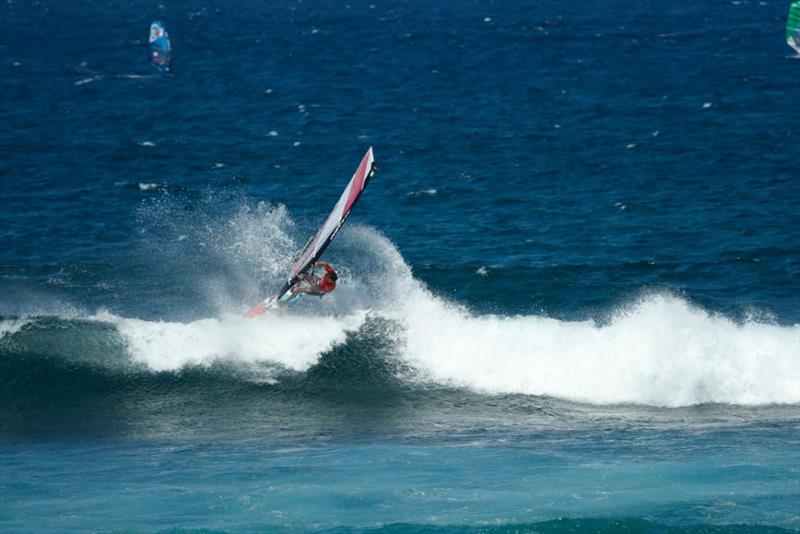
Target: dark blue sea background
569, 298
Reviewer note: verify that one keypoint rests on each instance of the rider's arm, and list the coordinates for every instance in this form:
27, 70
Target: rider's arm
306, 281
324, 265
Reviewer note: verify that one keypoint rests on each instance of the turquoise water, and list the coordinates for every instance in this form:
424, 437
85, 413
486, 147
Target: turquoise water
569, 299
481, 484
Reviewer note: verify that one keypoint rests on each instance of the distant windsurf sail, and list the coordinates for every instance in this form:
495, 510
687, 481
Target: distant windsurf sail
793, 27
160, 47
320, 241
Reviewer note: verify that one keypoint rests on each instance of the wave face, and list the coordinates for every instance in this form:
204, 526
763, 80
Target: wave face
659, 350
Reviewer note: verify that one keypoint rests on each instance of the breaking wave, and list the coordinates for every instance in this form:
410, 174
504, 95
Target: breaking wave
659, 350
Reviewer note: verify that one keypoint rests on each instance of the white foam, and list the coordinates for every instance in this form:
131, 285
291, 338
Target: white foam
12, 326
290, 342
428, 192
147, 186
660, 350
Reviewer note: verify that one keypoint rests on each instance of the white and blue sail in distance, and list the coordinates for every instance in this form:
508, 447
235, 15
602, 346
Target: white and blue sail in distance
160, 47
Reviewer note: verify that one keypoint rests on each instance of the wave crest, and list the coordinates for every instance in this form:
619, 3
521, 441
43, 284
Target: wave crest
660, 350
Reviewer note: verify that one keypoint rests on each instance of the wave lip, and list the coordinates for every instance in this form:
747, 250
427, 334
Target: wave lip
662, 351
659, 350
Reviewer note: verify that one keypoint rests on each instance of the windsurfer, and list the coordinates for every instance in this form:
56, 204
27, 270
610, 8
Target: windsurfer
311, 284
302, 279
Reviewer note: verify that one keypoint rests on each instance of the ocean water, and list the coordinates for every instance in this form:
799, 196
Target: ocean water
569, 298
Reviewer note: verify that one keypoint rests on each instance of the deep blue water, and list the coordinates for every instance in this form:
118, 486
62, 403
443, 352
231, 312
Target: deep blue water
569, 298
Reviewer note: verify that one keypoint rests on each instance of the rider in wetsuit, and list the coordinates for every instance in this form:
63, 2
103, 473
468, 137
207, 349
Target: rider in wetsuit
311, 284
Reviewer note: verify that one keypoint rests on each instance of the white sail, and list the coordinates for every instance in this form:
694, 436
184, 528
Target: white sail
317, 244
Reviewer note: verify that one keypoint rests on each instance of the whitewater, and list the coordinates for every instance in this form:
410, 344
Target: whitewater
659, 350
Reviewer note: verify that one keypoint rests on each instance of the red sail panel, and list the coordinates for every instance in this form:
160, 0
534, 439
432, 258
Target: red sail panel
317, 245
